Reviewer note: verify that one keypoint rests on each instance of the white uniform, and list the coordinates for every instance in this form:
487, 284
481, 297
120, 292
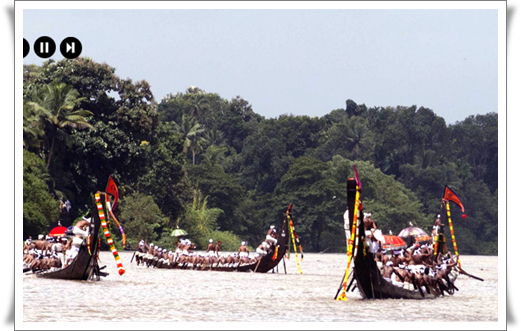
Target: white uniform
83, 233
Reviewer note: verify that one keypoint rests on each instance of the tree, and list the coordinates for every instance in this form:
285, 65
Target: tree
32, 127
199, 105
191, 132
141, 217
57, 103
392, 204
40, 208
359, 137
316, 207
200, 220
222, 191
164, 177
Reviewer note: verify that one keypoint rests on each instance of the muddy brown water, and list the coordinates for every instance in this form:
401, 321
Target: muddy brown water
160, 295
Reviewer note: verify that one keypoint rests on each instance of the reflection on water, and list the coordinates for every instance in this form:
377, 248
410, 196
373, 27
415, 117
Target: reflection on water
144, 295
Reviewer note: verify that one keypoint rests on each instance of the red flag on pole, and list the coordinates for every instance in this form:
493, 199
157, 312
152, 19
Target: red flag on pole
358, 182
451, 196
112, 189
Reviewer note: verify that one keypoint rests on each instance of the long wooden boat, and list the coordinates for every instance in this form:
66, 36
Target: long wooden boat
367, 272
262, 265
85, 264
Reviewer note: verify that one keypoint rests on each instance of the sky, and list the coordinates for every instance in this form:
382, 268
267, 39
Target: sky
300, 62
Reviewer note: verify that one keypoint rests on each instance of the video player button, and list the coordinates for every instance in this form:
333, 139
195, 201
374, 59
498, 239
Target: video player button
44, 47
70, 48
27, 47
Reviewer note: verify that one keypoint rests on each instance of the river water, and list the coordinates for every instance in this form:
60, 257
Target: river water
162, 295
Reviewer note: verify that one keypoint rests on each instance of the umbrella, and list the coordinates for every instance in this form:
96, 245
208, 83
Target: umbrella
178, 233
58, 231
393, 242
410, 233
423, 239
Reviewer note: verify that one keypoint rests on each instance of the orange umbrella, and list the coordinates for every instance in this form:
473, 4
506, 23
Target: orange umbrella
58, 231
393, 242
423, 239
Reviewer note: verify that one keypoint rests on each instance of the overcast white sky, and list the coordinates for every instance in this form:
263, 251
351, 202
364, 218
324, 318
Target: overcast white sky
303, 62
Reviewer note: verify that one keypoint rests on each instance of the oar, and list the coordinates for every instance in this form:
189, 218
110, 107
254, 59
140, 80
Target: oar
257, 265
342, 282
132, 259
351, 283
415, 283
461, 271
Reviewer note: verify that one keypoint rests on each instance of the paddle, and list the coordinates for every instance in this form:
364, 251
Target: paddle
351, 283
342, 282
132, 259
257, 265
461, 271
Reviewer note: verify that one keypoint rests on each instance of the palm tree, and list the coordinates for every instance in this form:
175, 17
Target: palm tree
201, 219
359, 137
56, 103
32, 127
199, 105
215, 137
215, 155
192, 135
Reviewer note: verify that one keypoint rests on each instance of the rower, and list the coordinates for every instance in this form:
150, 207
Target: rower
218, 248
58, 250
210, 250
185, 246
263, 248
243, 250
28, 241
27, 244
271, 236
70, 254
369, 228
436, 229
150, 254
81, 228
346, 226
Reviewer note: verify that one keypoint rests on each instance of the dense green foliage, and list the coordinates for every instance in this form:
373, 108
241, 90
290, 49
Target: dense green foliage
219, 170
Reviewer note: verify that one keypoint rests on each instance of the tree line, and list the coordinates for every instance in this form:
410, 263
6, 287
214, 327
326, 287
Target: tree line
219, 170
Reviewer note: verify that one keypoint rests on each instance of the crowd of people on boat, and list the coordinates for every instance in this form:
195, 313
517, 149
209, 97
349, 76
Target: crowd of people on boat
54, 253
184, 255
417, 267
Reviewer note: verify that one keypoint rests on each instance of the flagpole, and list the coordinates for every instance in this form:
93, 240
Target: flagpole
293, 239
343, 296
452, 233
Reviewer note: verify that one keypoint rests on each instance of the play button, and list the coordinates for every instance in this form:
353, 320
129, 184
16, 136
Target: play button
70, 48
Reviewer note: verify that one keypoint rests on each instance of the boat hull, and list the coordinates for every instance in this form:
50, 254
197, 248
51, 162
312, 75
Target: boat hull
85, 265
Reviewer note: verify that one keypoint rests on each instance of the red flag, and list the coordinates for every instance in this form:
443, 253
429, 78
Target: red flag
358, 182
451, 196
112, 189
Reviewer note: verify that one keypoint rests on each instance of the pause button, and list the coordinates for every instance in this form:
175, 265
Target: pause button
44, 47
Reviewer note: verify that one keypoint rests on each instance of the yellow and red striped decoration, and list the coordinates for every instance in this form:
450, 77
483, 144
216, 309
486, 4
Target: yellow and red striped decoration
109, 209
291, 230
452, 234
350, 247
119, 265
